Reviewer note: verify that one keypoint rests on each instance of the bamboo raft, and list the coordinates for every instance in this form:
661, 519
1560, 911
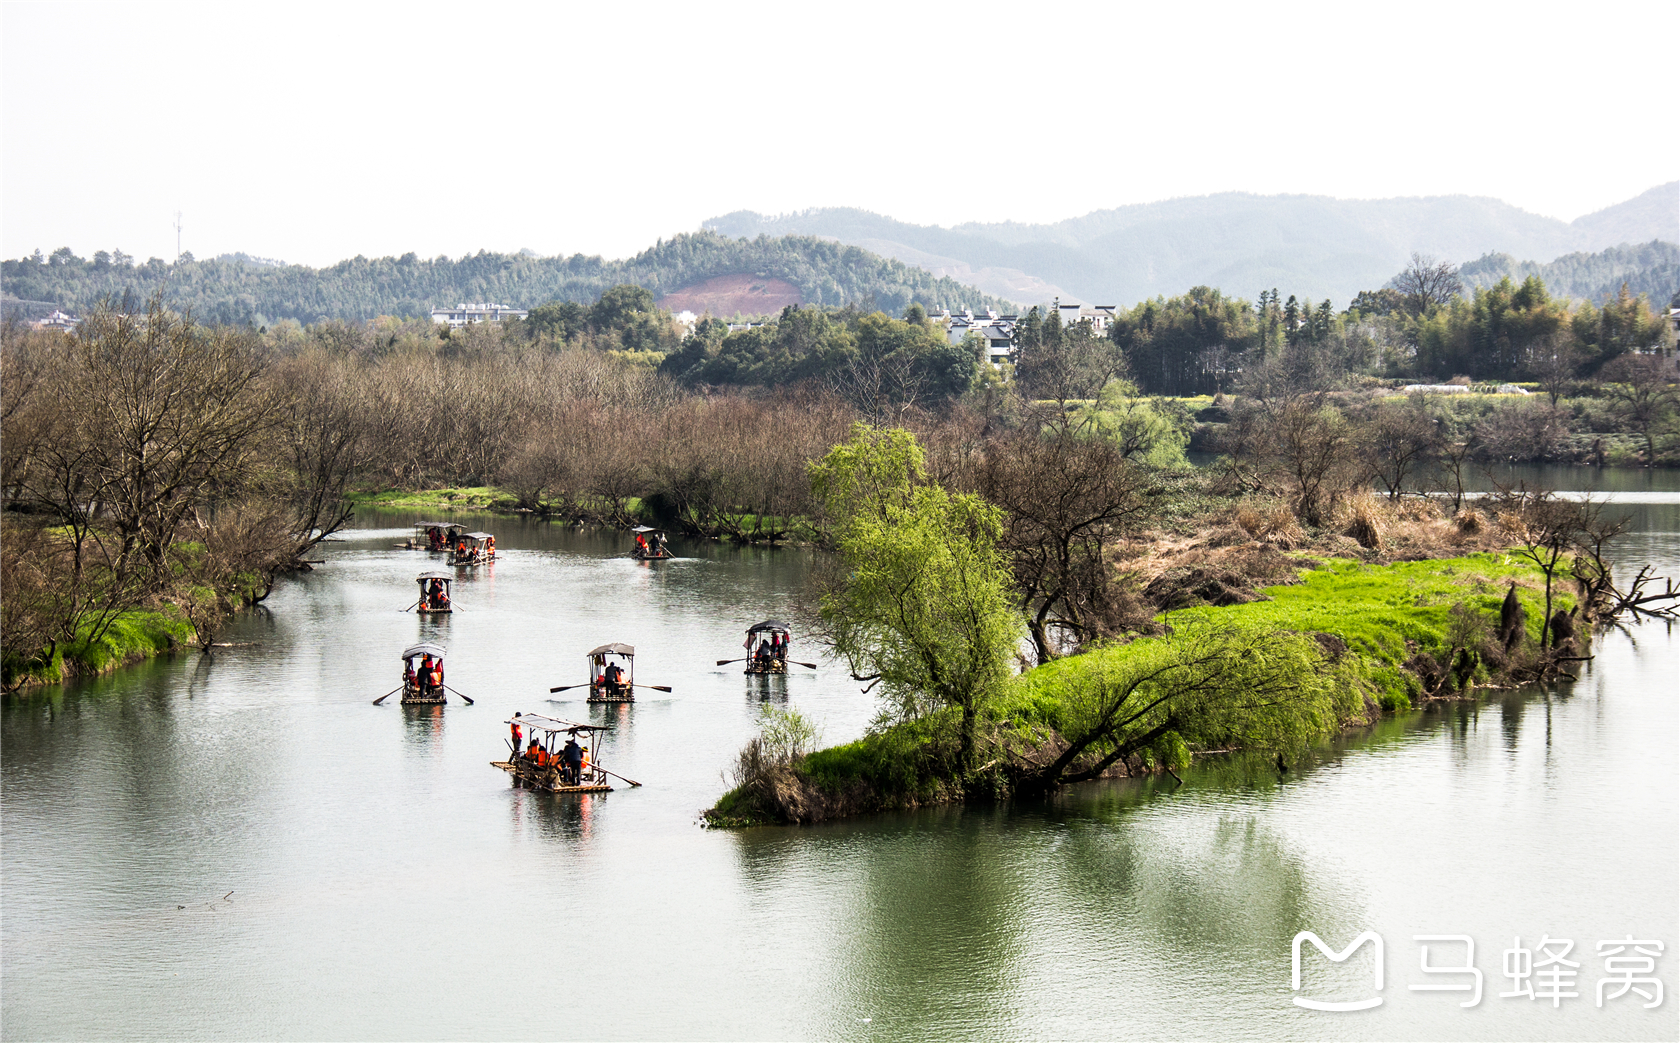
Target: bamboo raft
547, 779
652, 546
601, 691
430, 605
479, 550
413, 696
550, 776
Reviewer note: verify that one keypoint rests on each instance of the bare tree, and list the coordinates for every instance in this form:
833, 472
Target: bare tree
1067, 501
1302, 448
1427, 282
1642, 388
173, 417
1557, 363
319, 434
1397, 438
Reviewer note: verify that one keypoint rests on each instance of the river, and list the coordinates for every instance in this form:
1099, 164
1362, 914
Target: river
244, 847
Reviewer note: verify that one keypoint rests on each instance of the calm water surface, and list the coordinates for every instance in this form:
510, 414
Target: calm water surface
245, 848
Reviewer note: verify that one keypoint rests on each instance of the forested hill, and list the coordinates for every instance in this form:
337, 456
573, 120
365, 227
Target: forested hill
239, 291
1650, 268
1316, 245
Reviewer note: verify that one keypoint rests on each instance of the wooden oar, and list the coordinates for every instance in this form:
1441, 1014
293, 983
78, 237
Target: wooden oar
795, 662
469, 702
411, 607
655, 687
563, 687
388, 695
614, 774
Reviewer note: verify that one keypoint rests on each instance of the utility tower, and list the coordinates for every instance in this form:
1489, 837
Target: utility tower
177, 236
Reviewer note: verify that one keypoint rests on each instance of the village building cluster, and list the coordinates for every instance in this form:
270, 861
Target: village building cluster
467, 314
999, 331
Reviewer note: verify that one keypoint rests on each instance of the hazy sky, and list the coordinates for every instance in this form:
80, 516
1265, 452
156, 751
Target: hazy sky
313, 133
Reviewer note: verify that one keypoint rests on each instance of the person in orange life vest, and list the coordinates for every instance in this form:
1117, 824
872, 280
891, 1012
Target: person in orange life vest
461, 551
641, 545
518, 733
490, 547
437, 676
531, 750
583, 764
408, 673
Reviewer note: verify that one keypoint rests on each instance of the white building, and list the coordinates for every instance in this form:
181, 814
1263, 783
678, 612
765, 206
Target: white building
57, 321
1100, 316
997, 330
466, 314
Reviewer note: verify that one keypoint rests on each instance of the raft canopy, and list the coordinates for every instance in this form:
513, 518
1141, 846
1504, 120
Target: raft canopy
478, 536
538, 723
434, 574
431, 525
646, 528
423, 648
613, 649
772, 625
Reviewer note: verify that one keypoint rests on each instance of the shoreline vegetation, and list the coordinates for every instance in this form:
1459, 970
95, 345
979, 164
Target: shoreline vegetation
1216, 621
159, 474
1378, 633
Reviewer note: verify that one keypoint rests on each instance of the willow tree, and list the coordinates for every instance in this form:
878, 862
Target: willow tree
922, 605
1211, 684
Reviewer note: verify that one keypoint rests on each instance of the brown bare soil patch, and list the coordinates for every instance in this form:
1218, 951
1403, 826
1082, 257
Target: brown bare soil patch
729, 295
1232, 556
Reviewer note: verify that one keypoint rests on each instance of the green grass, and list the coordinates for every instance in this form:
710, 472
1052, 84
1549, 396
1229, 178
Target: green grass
1384, 613
133, 636
1377, 609
469, 498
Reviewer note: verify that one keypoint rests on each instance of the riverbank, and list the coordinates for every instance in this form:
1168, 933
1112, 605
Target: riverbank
474, 498
133, 637
1392, 637
187, 613
740, 527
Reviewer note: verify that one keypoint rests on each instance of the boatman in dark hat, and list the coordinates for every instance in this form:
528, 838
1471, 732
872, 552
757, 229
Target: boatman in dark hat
571, 758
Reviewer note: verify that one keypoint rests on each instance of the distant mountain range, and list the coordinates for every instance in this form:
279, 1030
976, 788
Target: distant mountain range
1650, 268
1311, 246
698, 271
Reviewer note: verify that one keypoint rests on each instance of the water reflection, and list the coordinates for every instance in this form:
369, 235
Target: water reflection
559, 817
1122, 909
767, 688
1513, 705
422, 724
